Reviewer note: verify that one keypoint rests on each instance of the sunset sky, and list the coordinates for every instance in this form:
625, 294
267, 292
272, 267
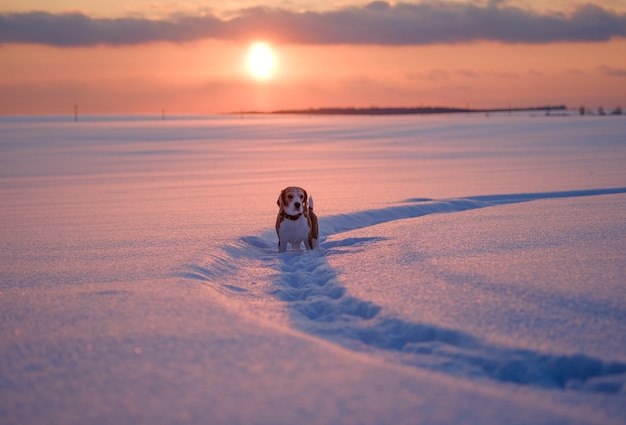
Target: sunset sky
191, 56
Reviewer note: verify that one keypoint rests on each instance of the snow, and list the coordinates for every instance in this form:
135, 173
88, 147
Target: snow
470, 270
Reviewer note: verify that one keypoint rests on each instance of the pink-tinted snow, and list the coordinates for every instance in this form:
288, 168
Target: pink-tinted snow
471, 270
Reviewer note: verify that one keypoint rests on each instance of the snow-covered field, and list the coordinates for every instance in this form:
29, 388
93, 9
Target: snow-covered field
471, 270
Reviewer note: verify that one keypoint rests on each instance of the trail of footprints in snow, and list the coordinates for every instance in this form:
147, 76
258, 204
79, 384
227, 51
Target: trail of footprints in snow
311, 287
319, 305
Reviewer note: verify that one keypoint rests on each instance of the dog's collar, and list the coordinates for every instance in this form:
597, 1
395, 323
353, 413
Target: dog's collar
292, 217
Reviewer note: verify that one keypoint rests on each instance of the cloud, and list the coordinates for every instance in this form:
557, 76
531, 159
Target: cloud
614, 72
431, 75
377, 23
76, 29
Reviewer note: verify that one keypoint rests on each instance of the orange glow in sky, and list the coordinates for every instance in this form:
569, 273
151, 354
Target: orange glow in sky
196, 57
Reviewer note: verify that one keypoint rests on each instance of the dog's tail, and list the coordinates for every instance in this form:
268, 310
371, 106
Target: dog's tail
311, 203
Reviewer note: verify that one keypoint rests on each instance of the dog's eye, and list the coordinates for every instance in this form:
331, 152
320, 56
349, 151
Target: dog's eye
290, 197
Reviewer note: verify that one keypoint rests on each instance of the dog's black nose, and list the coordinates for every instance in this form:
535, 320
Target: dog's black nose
297, 205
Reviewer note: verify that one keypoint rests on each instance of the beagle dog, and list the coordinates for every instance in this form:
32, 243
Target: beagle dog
296, 221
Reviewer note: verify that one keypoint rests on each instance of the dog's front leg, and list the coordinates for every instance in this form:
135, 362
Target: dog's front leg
282, 247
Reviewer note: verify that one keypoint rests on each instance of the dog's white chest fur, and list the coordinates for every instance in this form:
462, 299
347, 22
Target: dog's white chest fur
294, 232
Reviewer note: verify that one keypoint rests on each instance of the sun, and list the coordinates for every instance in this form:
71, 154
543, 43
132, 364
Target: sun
261, 61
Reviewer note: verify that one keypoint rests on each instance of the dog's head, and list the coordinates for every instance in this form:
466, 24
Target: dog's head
293, 200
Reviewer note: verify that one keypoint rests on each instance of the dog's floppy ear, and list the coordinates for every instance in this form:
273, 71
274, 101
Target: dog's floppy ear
305, 203
280, 202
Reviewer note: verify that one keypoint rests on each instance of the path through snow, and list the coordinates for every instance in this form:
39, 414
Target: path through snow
251, 271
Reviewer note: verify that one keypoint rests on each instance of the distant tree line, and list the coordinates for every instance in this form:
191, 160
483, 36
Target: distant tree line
374, 110
600, 111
